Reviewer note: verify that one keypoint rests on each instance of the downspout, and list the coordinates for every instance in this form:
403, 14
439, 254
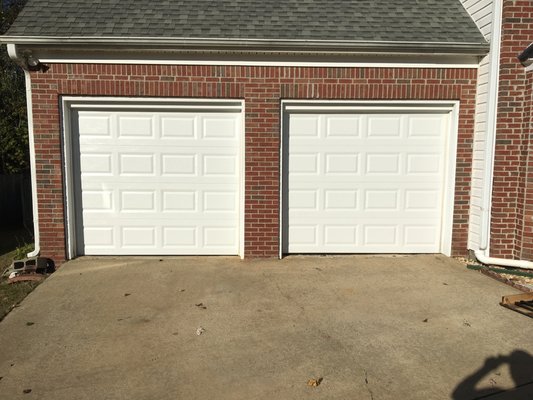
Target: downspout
482, 254
12, 52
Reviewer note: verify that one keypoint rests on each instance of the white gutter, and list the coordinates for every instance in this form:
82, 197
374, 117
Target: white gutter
471, 48
482, 254
12, 52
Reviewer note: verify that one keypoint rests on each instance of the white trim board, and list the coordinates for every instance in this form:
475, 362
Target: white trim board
70, 103
451, 107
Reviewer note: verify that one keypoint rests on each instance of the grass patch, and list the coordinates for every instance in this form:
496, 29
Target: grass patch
12, 295
15, 244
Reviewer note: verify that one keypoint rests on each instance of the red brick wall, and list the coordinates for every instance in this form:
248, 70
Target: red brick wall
511, 234
262, 88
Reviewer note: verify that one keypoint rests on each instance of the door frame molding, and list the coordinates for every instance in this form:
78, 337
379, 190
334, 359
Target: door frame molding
363, 106
70, 104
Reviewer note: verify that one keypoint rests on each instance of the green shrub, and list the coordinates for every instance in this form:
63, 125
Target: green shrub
21, 251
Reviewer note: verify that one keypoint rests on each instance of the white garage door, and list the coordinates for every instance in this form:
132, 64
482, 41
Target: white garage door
365, 182
157, 182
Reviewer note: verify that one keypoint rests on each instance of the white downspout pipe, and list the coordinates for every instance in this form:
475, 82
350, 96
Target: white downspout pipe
33, 169
12, 51
482, 254
482, 258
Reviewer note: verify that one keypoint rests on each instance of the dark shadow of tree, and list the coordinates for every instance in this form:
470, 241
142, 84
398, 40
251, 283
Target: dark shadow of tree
521, 368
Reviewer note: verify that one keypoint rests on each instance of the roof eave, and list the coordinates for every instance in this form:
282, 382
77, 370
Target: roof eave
256, 44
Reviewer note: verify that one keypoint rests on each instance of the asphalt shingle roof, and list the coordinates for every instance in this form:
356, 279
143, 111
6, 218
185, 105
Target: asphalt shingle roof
430, 21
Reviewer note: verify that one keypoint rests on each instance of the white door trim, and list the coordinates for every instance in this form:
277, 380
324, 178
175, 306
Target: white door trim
70, 103
450, 106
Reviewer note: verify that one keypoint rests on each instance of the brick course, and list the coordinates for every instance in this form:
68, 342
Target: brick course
262, 89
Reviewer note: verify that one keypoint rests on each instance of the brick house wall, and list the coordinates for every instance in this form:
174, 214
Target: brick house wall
512, 208
262, 89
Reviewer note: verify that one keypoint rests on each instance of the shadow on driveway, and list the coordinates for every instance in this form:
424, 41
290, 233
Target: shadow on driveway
520, 364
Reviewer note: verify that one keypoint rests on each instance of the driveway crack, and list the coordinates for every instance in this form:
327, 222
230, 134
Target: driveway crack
367, 386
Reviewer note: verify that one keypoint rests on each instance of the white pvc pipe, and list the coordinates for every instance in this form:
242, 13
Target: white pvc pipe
482, 258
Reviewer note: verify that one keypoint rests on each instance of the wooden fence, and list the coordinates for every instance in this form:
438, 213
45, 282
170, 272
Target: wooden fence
15, 200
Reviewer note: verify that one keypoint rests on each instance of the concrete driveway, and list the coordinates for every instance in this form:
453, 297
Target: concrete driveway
416, 327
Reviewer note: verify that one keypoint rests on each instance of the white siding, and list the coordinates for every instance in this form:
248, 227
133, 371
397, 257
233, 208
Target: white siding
481, 13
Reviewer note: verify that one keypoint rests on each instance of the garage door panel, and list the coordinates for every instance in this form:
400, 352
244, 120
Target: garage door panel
382, 236
158, 182
144, 204
365, 182
96, 163
94, 124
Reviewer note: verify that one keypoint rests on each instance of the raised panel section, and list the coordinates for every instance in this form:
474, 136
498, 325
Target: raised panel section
303, 199
220, 201
97, 200
303, 235
423, 163
421, 235
178, 127
381, 200
136, 164
95, 163
381, 235
135, 127
384, 127
342, 127
219, 128
179, 201
342, 163
94, 125
182, 236
425, 126
303, 164
138, 236
137, 201
383, 164
422, 200
220, 236
96, 236
178, 164
340, 235
340, 200
220, 165
306, 126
